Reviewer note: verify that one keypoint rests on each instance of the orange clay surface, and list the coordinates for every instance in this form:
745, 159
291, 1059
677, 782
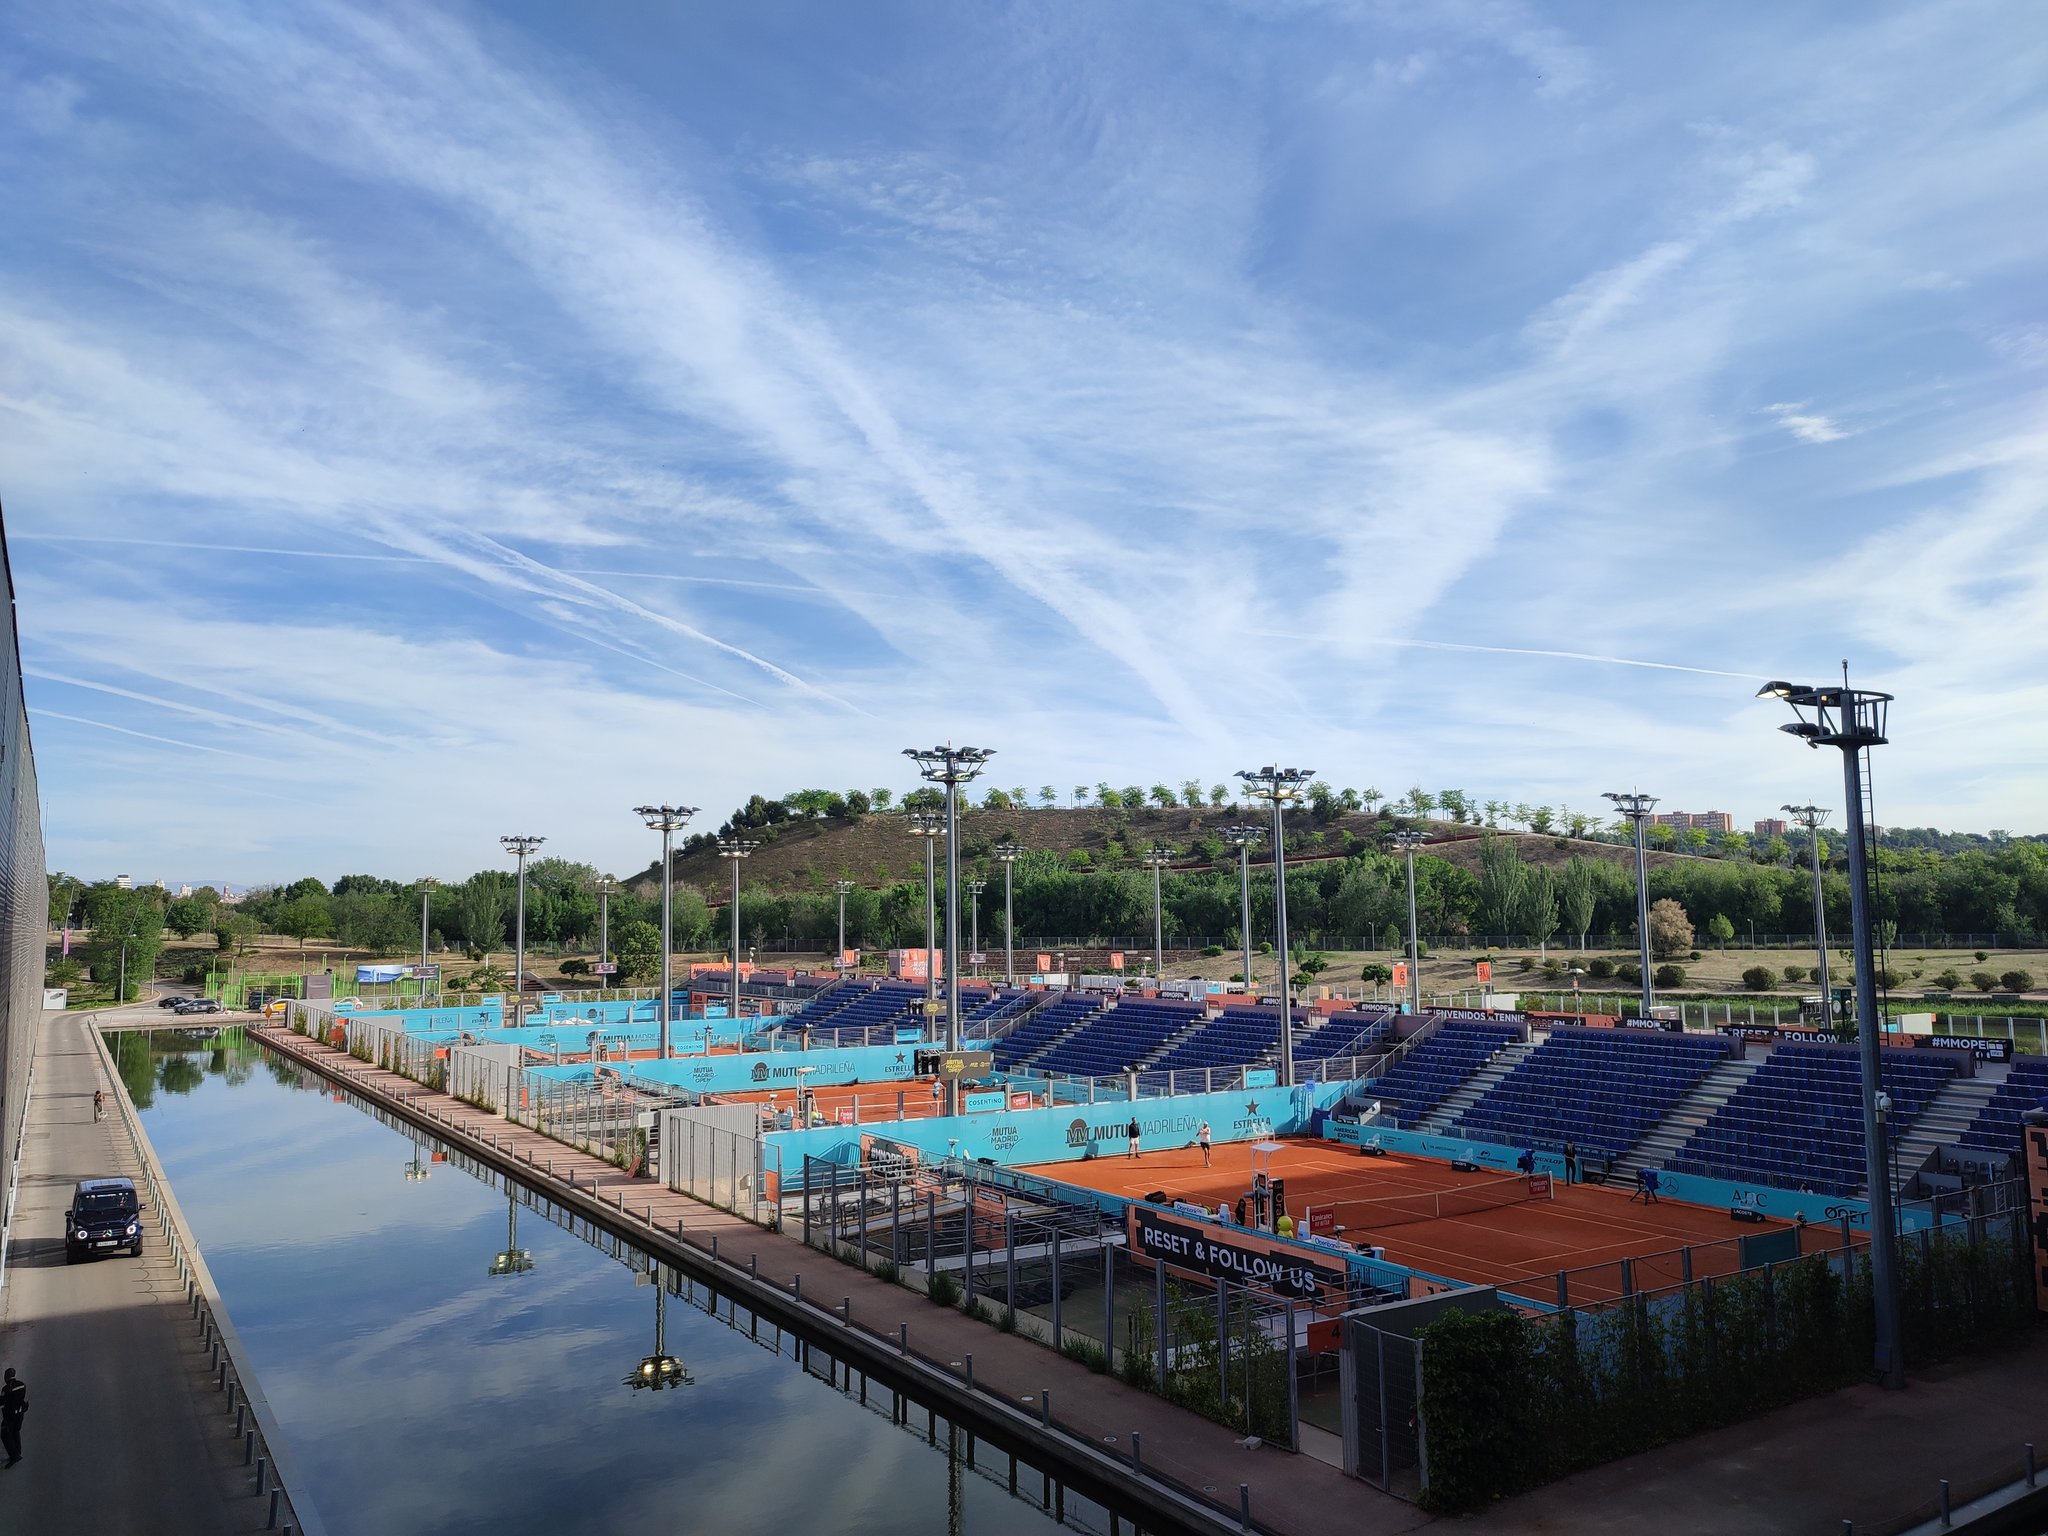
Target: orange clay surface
1582, 1226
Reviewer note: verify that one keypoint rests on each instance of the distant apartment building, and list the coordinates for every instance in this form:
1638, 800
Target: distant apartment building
1770, 826
124, 883
1686, 821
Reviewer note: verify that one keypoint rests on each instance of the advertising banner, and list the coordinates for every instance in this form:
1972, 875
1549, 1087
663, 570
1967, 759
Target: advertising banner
1230, 1253
951, 1066
2034, 1154
1982, 1048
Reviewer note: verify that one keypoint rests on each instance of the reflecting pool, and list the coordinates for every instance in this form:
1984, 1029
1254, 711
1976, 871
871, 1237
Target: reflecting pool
443, 1357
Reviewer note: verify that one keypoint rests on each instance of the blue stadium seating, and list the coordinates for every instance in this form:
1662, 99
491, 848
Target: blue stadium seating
1433, 1071
1798, 1122
1600, 1089
1344, 1034
1997, 1126
1121, 1037
1043, 1027
1234, 1038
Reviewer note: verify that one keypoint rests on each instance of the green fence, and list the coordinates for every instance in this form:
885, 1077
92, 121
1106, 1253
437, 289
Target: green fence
1510, 1402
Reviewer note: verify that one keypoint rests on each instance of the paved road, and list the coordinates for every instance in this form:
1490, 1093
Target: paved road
124, 1431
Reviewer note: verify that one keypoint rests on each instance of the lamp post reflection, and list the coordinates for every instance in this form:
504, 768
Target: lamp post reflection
660, 1369
515, 1260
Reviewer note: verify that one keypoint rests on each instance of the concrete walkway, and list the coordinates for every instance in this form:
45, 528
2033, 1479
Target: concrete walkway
124, 1431
1861, 1454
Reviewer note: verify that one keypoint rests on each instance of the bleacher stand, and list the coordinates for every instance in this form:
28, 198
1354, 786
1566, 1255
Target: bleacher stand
1600, 1089
1344, 1034
1798, 1122
1121, 1037
1433, 1070
1043, 1027
1997, 1126
1234, 1038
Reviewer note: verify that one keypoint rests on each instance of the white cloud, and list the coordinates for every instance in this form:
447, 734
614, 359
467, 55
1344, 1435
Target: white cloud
1807, 426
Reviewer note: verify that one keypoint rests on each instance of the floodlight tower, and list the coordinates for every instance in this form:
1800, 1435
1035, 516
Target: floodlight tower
736, 849
426, 884
1637, 809
1159, 857
1009, 853
605, 886
928, 825
842, 888
1811, 817
1853, 719
668, 820
951, 766
1279, 785
1408, 839
974, 890
520, 846
1241, 835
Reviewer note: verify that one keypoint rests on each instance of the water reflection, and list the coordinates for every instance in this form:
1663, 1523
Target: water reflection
446, 1353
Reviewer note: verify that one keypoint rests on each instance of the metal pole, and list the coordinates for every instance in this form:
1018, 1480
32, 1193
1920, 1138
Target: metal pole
1158, 918
1244, 899
952, 938
1643, 914
604, 923
1009, 925
1280, 932
931, 931
1810, 817
1884, 1273
667, 935
736, 939
519, 948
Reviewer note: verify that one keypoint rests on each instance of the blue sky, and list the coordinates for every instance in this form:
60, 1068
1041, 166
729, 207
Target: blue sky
419, 424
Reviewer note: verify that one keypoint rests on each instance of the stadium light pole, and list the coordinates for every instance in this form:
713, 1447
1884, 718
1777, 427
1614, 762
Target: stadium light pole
1279, 785
1241, 835
605, 886
426, 885
928, 825
1637, 809
520, 847
667, 820
1811, 817
951, 766
842, 888
974, 890
1009, 853
1159, 856
1408, 839
735, 849
1853, 719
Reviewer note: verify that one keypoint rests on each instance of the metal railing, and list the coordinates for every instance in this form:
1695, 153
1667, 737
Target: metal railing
263, 1449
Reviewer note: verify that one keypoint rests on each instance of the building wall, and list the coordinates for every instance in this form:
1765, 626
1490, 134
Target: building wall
24, 897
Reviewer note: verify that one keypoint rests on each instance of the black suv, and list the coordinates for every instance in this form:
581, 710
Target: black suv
104, 1215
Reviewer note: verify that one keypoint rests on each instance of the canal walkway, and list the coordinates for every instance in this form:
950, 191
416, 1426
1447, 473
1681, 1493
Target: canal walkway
125, 1430
1860, 1453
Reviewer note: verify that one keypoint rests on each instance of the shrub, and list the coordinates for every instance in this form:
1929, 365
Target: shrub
885, 1269
1670, 929
1628, 971
1793, 973
1525, 965
1948, 980
1081, 1352
575, 967
1553, 968
942, 1289
1758, 978
1376, 972
1887, 977
1265, 947
1669, 976
1209, 952
1984, 981
1813, 973
1694, 955
1599, 969
2017, 981
1982, 957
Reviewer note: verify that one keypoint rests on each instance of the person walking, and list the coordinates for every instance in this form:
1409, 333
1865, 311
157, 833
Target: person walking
1202, 1141
13, 1409
1571, 1163
1131, 1131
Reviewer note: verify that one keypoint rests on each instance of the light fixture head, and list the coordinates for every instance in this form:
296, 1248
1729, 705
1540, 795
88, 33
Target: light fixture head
665, 818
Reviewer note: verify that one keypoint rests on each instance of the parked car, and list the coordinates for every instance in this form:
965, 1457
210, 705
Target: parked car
196, 1005
105, 1215
171, 1001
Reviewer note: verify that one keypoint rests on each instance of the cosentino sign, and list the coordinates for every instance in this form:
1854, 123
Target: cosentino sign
1228, 1253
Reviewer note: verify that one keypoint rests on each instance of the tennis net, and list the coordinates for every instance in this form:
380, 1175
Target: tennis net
1440, 1205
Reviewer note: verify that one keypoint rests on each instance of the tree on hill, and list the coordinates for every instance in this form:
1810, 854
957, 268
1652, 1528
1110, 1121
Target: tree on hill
482, 904
1576, 894
1670, 930
1048, 797
1539, 908
1503, 886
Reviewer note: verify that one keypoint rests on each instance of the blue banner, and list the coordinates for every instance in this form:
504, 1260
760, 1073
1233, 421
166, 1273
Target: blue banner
738, 1072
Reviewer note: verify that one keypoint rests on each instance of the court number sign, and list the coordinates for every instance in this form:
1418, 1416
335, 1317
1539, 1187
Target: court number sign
1227, 1253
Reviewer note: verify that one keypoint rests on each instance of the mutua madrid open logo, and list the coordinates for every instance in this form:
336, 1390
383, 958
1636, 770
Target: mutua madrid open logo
702, 1074
760, 1073
1077, 1133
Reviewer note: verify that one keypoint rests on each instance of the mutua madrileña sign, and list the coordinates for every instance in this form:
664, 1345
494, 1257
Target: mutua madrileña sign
1231, 1253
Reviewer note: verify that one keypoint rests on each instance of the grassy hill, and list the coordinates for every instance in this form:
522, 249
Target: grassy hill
876, 850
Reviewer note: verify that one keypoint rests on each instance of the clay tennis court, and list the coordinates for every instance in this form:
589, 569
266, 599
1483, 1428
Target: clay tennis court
873, 1103
1580, 1226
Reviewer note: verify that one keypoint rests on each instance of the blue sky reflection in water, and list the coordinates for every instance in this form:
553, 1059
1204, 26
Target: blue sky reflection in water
423, 1395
